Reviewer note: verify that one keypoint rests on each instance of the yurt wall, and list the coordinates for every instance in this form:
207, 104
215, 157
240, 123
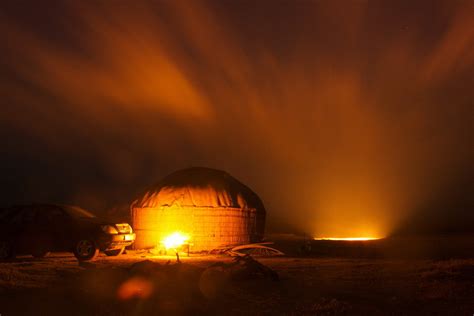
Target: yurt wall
210, 206
208, 228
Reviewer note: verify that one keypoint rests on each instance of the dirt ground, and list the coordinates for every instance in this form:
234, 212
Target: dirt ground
58, 285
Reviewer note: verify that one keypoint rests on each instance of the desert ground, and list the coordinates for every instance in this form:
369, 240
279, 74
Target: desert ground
142, 283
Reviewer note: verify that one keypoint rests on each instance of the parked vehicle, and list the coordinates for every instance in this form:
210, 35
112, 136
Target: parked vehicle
40, 229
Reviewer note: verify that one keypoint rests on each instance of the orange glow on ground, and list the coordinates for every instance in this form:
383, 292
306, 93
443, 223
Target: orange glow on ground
347, 238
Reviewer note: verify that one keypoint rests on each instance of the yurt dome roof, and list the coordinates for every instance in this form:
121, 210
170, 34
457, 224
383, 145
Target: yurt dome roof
201, 187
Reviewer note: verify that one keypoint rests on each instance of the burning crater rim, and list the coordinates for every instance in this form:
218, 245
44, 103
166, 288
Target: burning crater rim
347, 238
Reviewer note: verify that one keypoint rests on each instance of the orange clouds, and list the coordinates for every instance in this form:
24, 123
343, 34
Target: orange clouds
331, 111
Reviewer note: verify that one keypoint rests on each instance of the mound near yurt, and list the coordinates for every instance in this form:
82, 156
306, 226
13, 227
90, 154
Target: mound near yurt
206, 207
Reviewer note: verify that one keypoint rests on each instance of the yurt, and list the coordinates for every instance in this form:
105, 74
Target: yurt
209, 206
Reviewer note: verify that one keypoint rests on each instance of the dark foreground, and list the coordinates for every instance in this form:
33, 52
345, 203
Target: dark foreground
59, 286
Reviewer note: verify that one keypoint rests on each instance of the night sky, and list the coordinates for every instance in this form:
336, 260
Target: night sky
346, 117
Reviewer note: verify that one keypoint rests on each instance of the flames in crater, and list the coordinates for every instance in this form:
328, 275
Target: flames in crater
347, 238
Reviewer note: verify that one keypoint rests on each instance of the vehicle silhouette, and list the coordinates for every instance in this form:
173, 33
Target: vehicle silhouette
43, 228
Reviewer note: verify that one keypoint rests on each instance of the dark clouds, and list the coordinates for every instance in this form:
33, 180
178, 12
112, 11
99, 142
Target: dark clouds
346, 117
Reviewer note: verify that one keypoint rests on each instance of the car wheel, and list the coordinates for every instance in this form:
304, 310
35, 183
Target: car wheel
115, 252
85, 250
6, 250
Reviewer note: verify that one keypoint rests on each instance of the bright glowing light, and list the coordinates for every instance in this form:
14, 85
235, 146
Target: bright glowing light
175, 240
347, 238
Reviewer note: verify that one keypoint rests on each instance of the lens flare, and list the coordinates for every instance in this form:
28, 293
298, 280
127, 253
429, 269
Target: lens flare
136, 287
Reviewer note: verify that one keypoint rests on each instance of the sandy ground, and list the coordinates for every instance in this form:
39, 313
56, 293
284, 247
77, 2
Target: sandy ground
58, 285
